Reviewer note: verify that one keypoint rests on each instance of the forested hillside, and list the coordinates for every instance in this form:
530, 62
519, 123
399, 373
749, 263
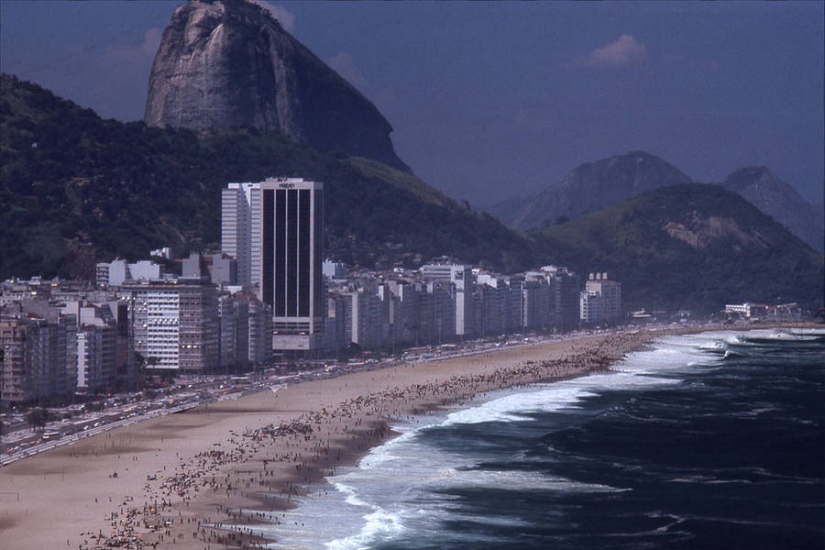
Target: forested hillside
76, 189
688, 246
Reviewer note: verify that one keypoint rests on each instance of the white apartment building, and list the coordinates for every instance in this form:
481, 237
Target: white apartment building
237, 205
601, 300
461, 279
175, 326
96, 357
97, 342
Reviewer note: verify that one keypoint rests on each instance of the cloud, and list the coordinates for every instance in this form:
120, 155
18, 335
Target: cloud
344, 64
283, 15
624, 51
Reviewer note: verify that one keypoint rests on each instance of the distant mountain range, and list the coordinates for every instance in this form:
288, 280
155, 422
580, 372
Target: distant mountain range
596, 185
690, 246
606, 182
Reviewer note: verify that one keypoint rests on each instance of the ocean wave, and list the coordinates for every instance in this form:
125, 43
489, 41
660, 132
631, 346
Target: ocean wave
378, 525
451, 480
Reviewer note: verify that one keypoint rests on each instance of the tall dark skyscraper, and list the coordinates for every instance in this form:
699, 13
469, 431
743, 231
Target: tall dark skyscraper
284, 232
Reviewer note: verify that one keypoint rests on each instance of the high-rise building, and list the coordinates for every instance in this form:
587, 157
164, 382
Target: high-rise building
565, 287
460, 277
97, 345
275, 231
601, 300
236, 227
175, 325
39, 343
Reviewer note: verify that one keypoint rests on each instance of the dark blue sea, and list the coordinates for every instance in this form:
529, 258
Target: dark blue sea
713, 440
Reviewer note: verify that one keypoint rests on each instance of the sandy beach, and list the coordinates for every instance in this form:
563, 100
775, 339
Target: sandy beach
181, 481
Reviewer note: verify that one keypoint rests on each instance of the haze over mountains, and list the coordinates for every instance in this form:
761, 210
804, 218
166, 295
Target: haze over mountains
595, 185
605, 182
779, 200
691, 246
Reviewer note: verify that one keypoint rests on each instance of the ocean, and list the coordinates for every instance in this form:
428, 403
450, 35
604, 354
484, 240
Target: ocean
711, 440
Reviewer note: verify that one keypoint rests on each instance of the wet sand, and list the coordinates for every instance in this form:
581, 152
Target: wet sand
188, 480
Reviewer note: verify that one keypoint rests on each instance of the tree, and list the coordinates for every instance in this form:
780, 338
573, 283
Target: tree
38, 418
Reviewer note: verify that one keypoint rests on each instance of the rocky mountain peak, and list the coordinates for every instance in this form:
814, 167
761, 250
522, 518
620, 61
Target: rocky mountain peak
228, 64
779, 200
749, 176
595, 185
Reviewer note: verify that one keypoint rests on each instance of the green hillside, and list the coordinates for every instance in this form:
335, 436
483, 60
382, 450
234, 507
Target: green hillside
688, 246
76, 189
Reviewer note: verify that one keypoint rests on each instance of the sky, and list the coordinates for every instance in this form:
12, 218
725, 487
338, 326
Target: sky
497, 100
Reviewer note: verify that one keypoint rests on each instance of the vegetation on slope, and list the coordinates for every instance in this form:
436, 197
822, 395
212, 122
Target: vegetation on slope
76, 189
689, 246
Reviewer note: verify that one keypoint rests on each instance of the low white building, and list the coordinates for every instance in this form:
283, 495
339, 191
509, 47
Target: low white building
120, 271
748, 310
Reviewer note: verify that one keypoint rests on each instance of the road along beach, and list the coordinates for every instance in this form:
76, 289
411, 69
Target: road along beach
188, 480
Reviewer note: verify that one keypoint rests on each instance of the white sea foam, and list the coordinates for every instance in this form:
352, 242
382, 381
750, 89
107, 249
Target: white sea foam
379, 525
515, 406
407, 484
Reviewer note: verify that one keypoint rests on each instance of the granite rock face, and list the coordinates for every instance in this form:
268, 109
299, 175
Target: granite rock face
229, 64
596, 185
780, 201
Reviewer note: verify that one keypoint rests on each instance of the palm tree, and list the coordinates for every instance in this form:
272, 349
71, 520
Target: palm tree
38, 418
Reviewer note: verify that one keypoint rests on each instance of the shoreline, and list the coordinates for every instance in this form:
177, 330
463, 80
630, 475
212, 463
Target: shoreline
204, 478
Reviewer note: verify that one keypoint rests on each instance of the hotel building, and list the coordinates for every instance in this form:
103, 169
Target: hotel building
275, 231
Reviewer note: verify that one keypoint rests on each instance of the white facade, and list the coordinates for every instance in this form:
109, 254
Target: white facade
461, 279
590, 307
96, 357
175, 326
96, 345
748, 310
236, 227
601, 300
274, 229
120, 271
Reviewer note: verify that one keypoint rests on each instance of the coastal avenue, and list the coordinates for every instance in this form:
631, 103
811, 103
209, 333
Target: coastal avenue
18, 440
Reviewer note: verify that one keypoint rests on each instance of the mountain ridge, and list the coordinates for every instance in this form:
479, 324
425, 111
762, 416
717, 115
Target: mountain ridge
594, 185
779, 200
694, 246
609, 181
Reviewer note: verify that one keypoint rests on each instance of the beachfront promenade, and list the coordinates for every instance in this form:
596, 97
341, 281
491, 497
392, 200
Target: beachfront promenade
201, 479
